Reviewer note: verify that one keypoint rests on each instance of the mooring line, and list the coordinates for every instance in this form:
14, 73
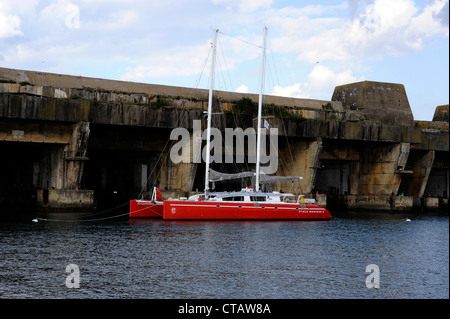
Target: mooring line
87, 220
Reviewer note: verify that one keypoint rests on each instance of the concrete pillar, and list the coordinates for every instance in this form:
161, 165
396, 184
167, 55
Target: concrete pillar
299, 158
421, 172
60, 172
354, 186
75, 155
380, 168
49, 170
177, 179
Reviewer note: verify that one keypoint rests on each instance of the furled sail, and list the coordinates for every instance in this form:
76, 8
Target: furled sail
215, 176
266, 179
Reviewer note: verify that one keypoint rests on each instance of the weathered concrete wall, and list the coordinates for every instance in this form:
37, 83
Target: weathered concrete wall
378, 170
433, 136
379, 202
75, 155
441, 114
378, 102
299, 159
77, 87
34, 131
417, 181
366, 133
65, 199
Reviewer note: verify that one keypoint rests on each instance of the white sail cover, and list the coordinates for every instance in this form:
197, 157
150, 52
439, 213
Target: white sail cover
266, 179
215, 176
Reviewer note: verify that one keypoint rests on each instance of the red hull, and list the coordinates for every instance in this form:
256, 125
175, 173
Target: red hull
145, 209
204, 210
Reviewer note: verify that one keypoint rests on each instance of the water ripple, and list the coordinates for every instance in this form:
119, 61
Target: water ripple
156, 259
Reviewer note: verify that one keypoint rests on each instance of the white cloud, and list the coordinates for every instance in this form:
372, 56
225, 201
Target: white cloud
252, 5
380, 30
167, 42
321, 81
185, 62
322, 77
297, 90
431, 23
242, 89
192, 60
384, 15
62, 11
384, 28
55, 12
245, 5
9, 23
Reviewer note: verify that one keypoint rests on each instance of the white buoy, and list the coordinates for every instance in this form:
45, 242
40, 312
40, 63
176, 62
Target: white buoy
408, 220
35, 220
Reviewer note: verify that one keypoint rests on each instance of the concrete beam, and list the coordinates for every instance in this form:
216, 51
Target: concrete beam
42, 132
382, 203
421, 172
379, 168
299, 158
65, 200
433, 136
441, 114
75, 155
61, 85
178, 178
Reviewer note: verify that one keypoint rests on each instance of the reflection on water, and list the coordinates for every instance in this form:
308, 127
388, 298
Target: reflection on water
270, 259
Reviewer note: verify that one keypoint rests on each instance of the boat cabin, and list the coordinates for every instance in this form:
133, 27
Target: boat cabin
247, 195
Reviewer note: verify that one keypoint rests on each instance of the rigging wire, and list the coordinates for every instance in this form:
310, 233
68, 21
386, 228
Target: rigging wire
239, 39
273, 60
237, 166
82, 220
158, 160
225, 62
203, 69
144, 187
258, 84
273, 80
177, 122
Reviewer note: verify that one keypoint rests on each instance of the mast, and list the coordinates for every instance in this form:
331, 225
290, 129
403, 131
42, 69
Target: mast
210, 100
258, 125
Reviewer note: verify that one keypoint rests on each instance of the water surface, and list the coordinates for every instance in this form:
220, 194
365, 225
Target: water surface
270, 259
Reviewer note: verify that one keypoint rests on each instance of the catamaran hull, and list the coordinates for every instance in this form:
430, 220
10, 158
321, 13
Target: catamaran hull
190, 210
146, 209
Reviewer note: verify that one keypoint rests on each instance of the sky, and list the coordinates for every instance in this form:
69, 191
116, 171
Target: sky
312, 46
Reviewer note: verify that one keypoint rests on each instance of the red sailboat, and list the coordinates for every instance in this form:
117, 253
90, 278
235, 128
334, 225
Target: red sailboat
244, 205
141, 208
247, 204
